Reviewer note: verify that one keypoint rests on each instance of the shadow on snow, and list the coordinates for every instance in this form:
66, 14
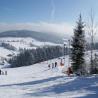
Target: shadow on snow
34, 82
78, 84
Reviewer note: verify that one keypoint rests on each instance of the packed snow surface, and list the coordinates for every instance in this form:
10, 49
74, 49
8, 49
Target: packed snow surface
39, 81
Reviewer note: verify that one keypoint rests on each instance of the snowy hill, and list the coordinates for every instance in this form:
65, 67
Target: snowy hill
19, 42
38, 81
10, 46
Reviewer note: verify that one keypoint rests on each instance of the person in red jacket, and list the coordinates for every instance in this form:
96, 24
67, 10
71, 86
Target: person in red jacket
69, 71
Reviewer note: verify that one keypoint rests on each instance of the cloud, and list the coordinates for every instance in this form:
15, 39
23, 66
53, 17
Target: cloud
53, 28
60, 29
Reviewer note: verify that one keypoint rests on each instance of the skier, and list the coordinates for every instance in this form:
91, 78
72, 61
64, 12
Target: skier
49, 66
52, 65
0, 72
55, 64
61, 64
5, 72
69, 71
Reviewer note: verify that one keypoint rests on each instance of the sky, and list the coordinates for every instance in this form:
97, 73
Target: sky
52, 16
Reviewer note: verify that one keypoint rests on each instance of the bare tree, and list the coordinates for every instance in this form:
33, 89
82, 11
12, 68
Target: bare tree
92, 32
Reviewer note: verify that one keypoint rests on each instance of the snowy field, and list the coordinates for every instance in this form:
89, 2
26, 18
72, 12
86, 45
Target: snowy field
38, 81
27, 43
18, 43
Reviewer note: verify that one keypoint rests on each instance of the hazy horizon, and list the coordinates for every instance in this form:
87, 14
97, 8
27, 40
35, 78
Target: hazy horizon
50, 16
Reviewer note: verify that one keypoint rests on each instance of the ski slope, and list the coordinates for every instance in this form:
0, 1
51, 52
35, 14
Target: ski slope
38, 81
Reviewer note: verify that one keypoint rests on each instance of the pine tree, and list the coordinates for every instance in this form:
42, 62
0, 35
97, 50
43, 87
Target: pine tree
78, 46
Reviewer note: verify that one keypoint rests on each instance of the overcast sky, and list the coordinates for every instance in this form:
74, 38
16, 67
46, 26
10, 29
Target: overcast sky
54, 16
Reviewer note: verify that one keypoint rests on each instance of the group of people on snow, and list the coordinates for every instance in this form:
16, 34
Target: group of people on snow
53, 65
3, 72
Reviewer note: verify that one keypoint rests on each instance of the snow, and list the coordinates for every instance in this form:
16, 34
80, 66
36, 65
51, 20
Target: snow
4, 52
22, 43
19, 43
38, 81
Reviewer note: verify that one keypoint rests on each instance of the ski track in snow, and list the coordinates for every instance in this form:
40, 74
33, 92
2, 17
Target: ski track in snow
38, 81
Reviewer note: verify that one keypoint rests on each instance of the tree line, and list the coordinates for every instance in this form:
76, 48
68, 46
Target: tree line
7, 46
32, 56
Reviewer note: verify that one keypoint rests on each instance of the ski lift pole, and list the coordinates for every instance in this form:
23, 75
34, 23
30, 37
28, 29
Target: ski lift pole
69, 53
64, 53
64, 45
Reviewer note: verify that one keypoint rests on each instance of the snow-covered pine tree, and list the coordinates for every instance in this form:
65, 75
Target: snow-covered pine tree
78, 47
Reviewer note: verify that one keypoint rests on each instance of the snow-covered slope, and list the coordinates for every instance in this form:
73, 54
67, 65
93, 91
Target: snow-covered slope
18, 43
38, 81
24, 42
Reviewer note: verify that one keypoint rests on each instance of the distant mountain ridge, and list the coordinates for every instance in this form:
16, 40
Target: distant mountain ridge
36, 35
